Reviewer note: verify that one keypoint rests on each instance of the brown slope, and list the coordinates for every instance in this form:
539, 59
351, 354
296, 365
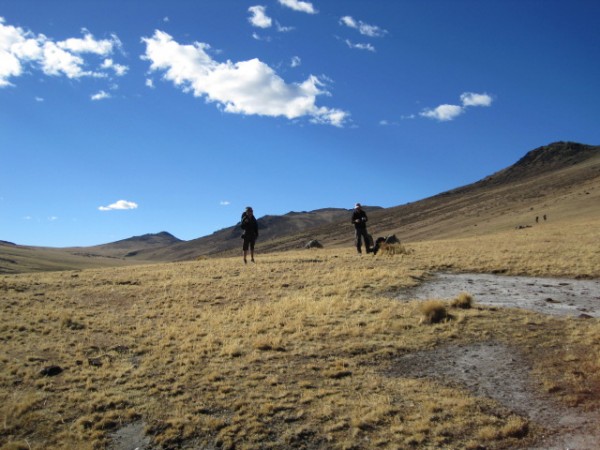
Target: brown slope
271, 229
129, 247
561, 180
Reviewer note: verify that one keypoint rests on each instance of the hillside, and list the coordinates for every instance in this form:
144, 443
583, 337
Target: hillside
560, 181
271, 229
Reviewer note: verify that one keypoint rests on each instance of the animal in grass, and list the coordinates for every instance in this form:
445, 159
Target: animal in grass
384, 243
313, 244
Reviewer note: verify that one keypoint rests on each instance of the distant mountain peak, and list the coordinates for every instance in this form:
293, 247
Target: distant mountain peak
162, 236
548, 158
558, 154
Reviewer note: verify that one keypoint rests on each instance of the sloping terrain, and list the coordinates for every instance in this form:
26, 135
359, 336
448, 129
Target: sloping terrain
551, 183
560, 181
271, 229
130, 247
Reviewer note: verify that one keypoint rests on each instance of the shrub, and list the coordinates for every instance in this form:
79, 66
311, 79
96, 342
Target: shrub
464, 300
433, 311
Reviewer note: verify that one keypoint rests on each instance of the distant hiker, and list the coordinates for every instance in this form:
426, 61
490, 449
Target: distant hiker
537, 219
544, 217
359, 219
250, 227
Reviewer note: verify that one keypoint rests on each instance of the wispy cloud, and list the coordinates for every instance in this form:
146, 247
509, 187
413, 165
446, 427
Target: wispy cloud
298, 5
225, 203
119, 69
472, 99
363, 28
296, 61
102, 95
359, 46
447, 112
246, 87
119, 205
258, 17
283, 29
20, 49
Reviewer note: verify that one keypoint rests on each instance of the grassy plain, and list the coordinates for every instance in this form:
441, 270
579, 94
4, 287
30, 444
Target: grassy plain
292, 352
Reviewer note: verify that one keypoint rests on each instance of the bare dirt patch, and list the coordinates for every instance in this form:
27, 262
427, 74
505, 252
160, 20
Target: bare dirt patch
500, 372
556, 296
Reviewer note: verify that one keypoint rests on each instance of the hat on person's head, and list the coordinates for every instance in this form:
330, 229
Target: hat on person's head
248, 208
357, 205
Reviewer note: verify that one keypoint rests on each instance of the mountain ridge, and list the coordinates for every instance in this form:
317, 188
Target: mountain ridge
561, 179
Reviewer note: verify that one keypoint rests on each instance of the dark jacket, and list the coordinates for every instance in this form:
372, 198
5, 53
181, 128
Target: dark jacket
250, 226
361, 216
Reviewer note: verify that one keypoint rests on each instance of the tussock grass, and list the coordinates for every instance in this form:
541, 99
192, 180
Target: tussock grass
293, 352
433, 311
464, 300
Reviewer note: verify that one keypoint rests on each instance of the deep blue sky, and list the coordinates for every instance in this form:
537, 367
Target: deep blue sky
120, 118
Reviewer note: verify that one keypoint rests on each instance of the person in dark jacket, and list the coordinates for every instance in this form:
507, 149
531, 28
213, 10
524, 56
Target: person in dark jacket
359, 220
250, 234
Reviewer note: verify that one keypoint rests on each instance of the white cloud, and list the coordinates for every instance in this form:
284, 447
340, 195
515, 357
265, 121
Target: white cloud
225, 203
296, 61
283, 29
363, 28
443, 113
472, 99
245, 87
367, 46
298, 5
149, 83
121, 204
258, 17
119, 69
258, 37
166, 19
100, 95
449, 112
39, 99
89, 45
52, 219
20, 49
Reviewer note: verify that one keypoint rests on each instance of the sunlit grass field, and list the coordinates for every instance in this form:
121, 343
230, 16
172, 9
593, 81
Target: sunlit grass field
291, 352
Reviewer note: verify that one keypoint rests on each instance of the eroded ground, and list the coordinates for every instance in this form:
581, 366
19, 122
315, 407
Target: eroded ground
495, 370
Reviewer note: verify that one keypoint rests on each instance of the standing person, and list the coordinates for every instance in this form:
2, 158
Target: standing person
250, 227
359, 219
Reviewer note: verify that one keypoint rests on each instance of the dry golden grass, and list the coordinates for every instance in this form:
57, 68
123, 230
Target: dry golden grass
464, 300
293, 352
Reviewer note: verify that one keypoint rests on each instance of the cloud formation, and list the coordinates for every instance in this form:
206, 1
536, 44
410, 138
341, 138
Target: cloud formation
446, 112
21, 49
246, 87
298, 5
366, 46
100, 96
258, 17
363, 28
119, 205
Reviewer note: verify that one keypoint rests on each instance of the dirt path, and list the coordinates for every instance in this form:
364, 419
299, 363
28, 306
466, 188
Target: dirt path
494, 370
